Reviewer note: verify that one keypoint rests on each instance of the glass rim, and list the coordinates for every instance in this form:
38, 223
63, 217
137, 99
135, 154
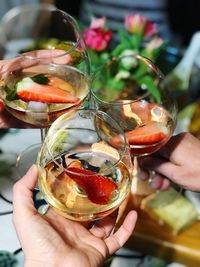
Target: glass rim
119, 102
87, 77
25, 7
123, 147
146, 60
13, 12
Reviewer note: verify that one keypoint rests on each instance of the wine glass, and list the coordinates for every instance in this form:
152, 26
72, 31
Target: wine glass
82, 174
40, 27
131, 90
50, 73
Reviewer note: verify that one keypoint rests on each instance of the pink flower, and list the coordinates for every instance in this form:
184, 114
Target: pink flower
138, 23
96, 36
135, 23
154, 44
98, 23
150, 29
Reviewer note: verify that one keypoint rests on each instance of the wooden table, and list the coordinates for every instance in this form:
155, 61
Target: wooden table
156, 240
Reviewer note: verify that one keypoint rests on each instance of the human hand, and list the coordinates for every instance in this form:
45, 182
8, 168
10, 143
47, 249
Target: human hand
8, 121
33, 58
52, 240
22, 63
178, 161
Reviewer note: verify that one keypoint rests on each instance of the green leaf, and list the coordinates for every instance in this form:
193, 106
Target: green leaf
119, 49
139, 72
40, 78
12, 95
104, 57
136, 41
144, 53
153, 55
112, 89
94, 58
124, 37
115, 84
149, 83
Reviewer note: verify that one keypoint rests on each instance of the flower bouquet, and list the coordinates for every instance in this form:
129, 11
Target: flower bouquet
139, 36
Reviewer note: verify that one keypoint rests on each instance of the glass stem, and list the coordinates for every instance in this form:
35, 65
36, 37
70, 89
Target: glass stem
43, 133
135, 167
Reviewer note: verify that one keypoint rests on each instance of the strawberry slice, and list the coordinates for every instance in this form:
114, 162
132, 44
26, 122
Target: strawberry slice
98, 188
28, 90
148, 134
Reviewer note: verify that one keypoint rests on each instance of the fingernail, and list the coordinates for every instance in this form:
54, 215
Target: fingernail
33, 168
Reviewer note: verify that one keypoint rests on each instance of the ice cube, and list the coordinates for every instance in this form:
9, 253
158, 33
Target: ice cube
37, 107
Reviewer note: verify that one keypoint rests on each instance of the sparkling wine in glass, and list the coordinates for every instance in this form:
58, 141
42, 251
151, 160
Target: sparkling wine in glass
49, 72
49, 75
131, 89
82, 175
40, 94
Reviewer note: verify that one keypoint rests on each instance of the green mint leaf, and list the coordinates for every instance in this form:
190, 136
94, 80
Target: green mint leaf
40, 78
12, 95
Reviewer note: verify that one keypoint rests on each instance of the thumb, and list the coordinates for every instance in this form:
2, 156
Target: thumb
22, 193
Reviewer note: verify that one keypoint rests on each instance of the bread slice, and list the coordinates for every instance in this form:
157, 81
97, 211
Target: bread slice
170, 208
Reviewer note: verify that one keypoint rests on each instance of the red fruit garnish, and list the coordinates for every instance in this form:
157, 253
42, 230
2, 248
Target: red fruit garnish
45, 93
148, 134
98, 188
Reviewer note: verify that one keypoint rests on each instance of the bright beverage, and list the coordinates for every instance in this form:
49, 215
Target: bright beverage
153, 127
148, 126
77, 53
42, 93
85, 185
